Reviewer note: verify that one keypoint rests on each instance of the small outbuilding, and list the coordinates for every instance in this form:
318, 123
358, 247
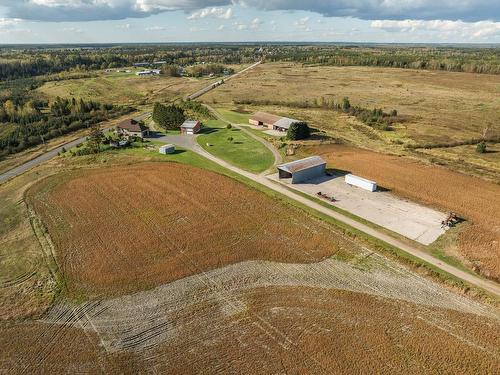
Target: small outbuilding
132, 128
302, 170
167, 149
190, 127
361, 182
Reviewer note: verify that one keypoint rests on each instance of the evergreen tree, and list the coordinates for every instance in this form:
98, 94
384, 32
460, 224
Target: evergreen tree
298, 131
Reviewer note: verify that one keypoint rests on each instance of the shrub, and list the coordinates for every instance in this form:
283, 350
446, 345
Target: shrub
229, 126
298, 130
481, 147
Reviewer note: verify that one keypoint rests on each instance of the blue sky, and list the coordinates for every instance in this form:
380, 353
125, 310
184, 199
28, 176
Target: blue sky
102, 21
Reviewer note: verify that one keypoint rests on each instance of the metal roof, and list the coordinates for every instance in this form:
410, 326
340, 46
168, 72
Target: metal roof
190, 124
300, 165
265, 118
167, 146
285, 122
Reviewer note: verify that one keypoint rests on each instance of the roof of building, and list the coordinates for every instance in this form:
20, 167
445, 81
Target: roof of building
168, 146
265, 118
190, 124
300, 165
285, 122
132, 126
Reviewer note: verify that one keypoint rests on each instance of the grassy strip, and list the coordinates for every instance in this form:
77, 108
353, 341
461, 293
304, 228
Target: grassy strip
236, 147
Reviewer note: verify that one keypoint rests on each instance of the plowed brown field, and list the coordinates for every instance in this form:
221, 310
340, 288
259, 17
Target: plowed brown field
476, 200
131, 228
276, 331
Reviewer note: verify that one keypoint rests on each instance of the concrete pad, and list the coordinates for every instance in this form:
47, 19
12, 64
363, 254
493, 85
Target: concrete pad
412, 220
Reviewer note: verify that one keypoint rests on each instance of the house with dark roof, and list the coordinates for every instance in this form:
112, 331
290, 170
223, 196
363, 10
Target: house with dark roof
132, 128
302, 170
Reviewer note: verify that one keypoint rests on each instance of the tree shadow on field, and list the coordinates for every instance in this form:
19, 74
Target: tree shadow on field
207, 130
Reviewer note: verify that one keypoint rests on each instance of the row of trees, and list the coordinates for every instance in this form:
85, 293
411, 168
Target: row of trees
472, 60
207, 69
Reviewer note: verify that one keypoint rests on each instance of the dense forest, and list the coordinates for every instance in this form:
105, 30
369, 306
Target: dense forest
35, 121
23, 62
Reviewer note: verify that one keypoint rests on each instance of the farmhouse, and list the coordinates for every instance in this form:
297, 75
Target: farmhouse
302, 170
190, 127
132, 128
271, 121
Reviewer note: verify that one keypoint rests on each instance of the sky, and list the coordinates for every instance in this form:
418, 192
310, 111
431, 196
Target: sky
121, 21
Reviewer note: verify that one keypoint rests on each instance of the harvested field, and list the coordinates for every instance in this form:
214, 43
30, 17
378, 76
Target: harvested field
476, 200
123, 229
334, 316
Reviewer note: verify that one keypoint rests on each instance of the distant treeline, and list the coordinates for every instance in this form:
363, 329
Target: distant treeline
35, 121
30, 62
471, 60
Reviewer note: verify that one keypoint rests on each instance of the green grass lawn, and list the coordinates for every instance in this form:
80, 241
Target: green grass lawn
243, 151
234, 117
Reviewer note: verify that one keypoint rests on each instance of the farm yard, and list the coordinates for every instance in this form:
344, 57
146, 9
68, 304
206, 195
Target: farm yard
435, 107
476, 200
247, 272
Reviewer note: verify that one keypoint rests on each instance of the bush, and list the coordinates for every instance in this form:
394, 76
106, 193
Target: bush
298, 131
481, 148
229, 126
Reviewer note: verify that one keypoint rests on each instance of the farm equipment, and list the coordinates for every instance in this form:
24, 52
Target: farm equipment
325, 196
451, 220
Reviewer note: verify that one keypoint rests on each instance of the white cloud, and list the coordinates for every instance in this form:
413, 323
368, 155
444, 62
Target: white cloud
74, 30
8, 22
85, 10
481, 29
125, 26
154, 28
255, 24
212, 12
303, 24
221, 27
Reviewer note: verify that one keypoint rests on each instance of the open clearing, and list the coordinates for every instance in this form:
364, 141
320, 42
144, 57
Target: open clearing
235, 147
476, 200
419, 223
123, 89
185, 221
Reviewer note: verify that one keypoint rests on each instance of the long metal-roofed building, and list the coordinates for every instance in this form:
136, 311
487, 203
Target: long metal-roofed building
302, 170
271, 121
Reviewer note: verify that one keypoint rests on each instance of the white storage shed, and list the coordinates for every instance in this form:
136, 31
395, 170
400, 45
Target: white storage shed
167, 149
360, 182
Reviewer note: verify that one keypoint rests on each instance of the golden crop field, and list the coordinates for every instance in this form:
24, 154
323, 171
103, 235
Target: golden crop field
474, 199
128, 228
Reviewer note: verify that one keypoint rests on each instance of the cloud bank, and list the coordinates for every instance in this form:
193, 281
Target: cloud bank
87, 10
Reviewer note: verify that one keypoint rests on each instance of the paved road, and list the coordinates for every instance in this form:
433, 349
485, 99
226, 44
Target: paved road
190, 143
16, 171
212, 86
